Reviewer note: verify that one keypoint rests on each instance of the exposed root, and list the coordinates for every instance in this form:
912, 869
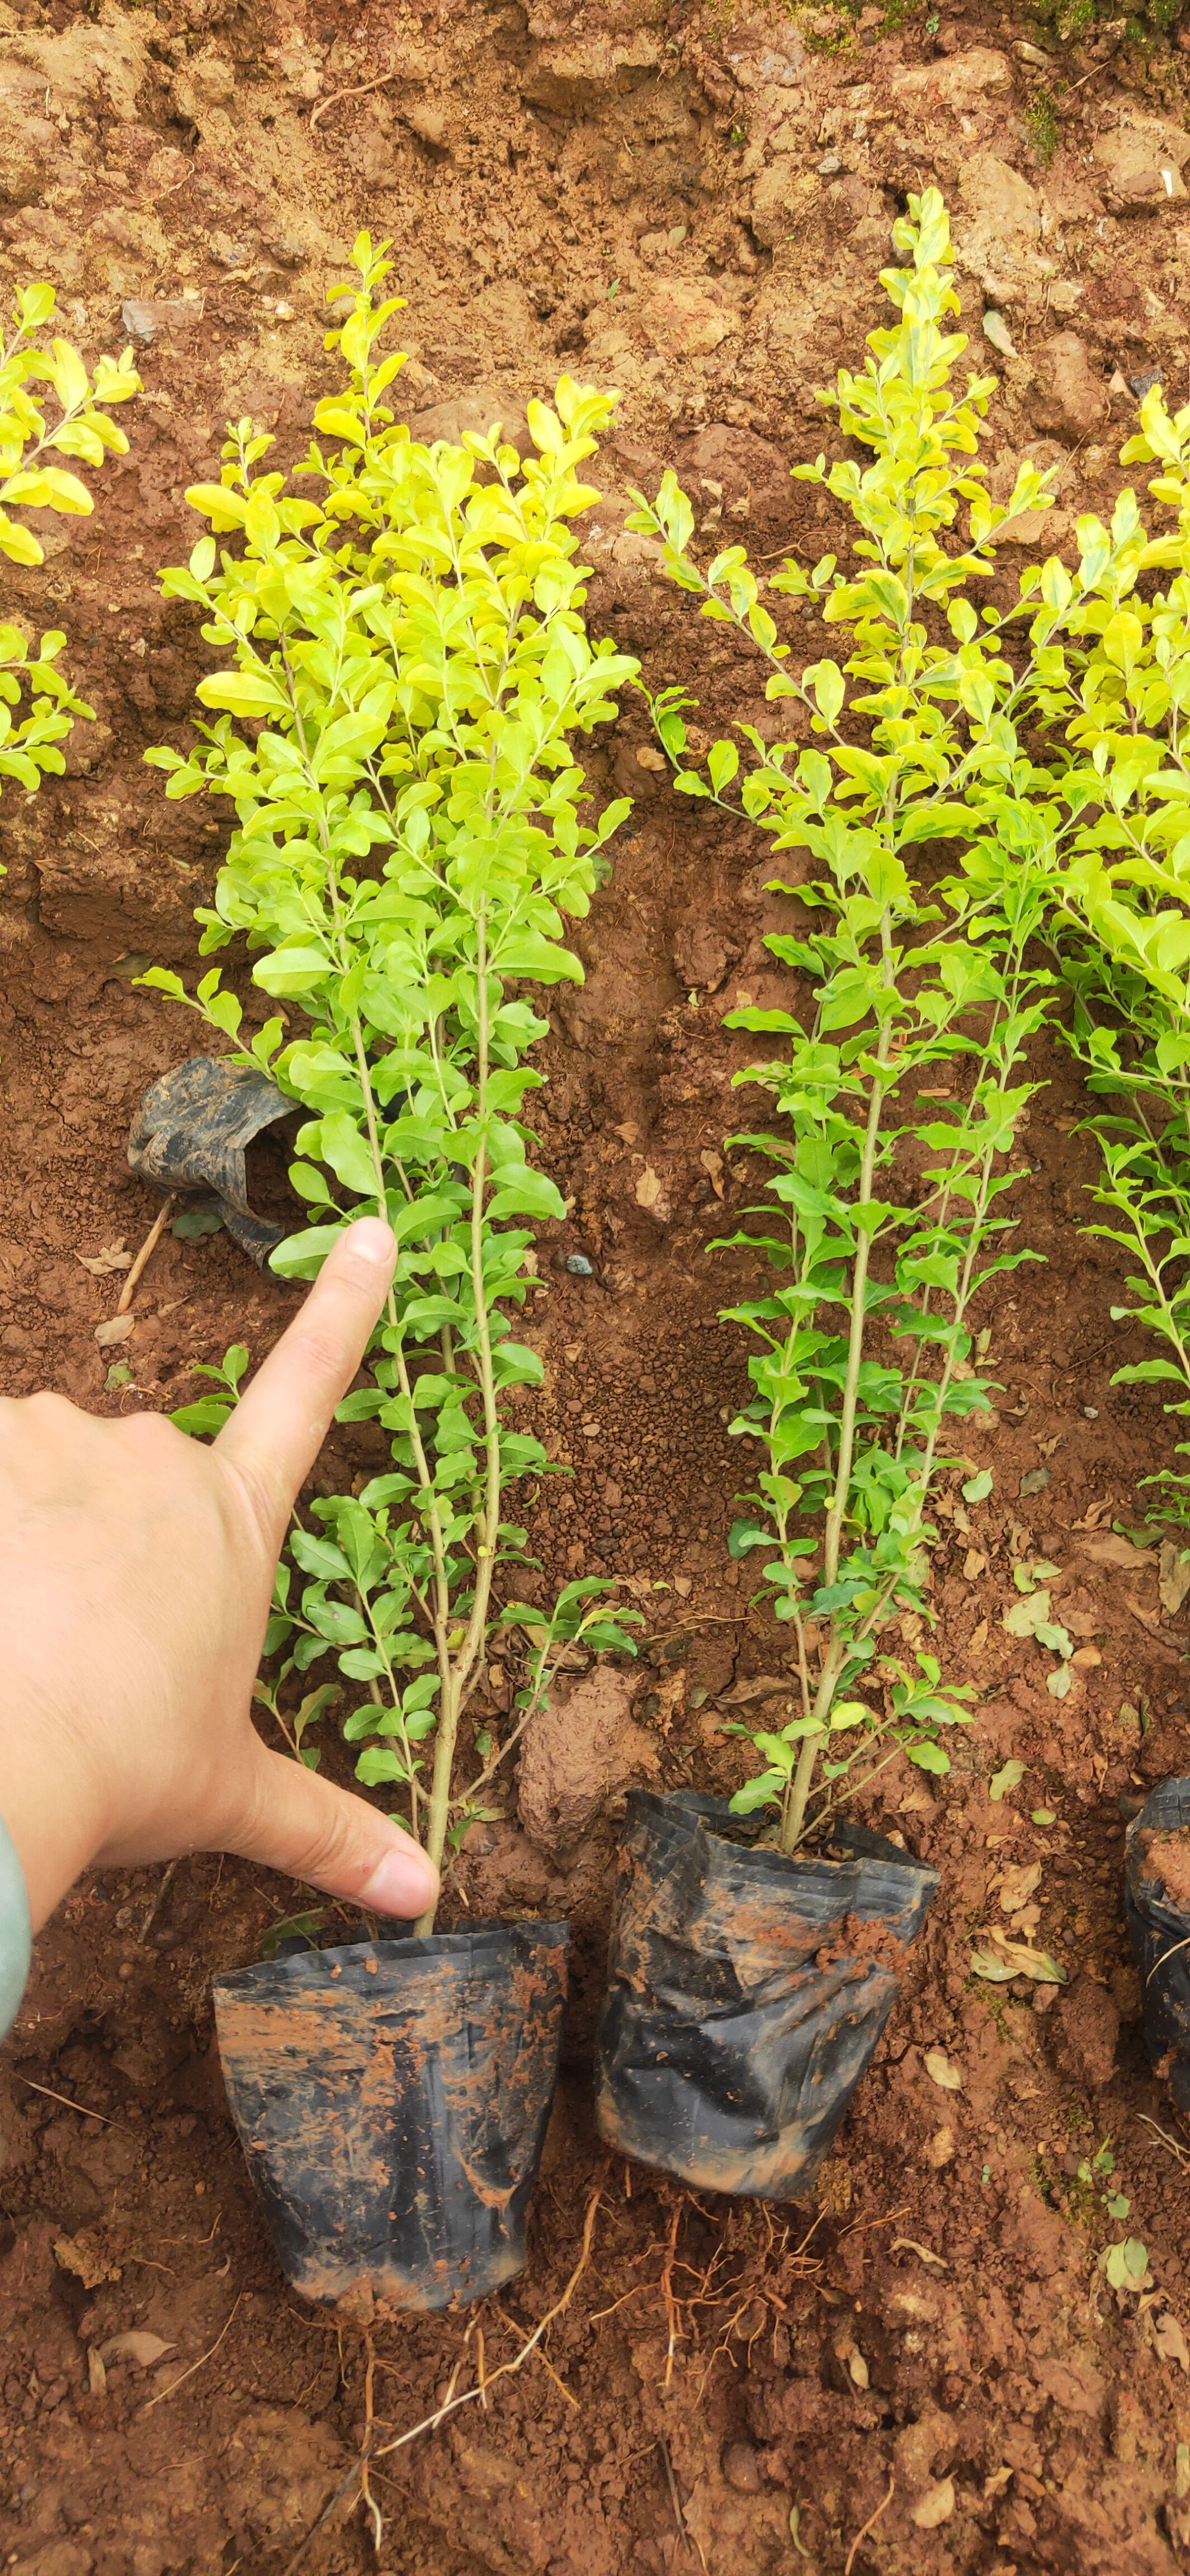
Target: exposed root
672, 2311
869, 2525
506, 2370
371, 2507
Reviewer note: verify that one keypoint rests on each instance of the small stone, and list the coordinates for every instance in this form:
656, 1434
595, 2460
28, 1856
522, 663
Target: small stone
830, 168
146, 318
1143, 384
741, 2468
579, 1266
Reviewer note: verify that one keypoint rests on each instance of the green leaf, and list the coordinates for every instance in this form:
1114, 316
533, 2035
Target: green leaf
1007, 1778
529, 1193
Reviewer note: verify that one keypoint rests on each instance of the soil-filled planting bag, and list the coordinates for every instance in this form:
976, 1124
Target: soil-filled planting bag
1157, 1902
391, 2099
747, 1990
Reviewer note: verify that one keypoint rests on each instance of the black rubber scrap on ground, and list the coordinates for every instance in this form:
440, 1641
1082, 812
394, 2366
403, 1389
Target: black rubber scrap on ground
190, 1132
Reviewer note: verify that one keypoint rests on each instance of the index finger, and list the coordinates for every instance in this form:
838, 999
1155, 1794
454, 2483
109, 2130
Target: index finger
277, 1429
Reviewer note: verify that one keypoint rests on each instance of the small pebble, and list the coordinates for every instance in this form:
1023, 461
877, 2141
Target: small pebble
579, 1266
1144, 384
1092, 1412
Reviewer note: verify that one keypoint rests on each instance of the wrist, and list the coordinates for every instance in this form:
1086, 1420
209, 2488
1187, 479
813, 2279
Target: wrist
51, 1804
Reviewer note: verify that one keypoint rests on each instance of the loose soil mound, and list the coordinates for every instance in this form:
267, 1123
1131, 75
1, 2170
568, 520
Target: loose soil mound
692, 205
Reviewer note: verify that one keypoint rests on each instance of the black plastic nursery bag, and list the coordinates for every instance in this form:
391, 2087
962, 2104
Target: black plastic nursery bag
747, 1991
190, 1132
1157, 1902
391, 2099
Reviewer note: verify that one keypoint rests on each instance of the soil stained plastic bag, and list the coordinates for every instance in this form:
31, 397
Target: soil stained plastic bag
1157, 1903
391, 2098
747, 1991
190, 1132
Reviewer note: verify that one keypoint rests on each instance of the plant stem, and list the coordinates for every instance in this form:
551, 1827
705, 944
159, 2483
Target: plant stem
462, 1662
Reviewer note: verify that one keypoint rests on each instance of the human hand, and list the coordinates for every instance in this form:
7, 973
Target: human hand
136, 1572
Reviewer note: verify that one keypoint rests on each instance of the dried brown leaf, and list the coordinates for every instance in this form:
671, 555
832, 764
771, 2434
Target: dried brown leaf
110, 1257
1170, 2340
853, 2362
1017, 1885
650, 1194
143, 2349
1111, 1549
1173, 1582
755, 1686
936, 2506
942, 2070
116, 1328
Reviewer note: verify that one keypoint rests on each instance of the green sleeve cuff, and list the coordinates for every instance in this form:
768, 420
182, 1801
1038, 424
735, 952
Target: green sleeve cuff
16, 1937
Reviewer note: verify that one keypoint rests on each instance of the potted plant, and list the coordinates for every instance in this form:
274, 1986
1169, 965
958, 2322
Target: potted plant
405, 664
751, 1978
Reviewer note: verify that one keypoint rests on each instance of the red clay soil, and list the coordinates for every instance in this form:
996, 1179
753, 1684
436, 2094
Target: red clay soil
691, 204
1167, 1859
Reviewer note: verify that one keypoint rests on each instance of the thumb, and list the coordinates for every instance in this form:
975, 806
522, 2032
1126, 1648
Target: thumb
308, 1828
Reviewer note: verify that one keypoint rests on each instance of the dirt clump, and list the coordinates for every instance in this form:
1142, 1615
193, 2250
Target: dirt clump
581, 1750
1167, 1856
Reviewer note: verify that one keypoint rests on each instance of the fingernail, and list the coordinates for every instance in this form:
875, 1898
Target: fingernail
405, 1883
372, 1239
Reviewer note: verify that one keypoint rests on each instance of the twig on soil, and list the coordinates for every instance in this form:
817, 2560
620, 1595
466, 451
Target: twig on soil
328, 2510
155, 1908
144, 1257
861, 2225
915, 2247
195, 2365
1081, 84
870, 2525
337, 95
68, 2105
1174, 2145
674, 2497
